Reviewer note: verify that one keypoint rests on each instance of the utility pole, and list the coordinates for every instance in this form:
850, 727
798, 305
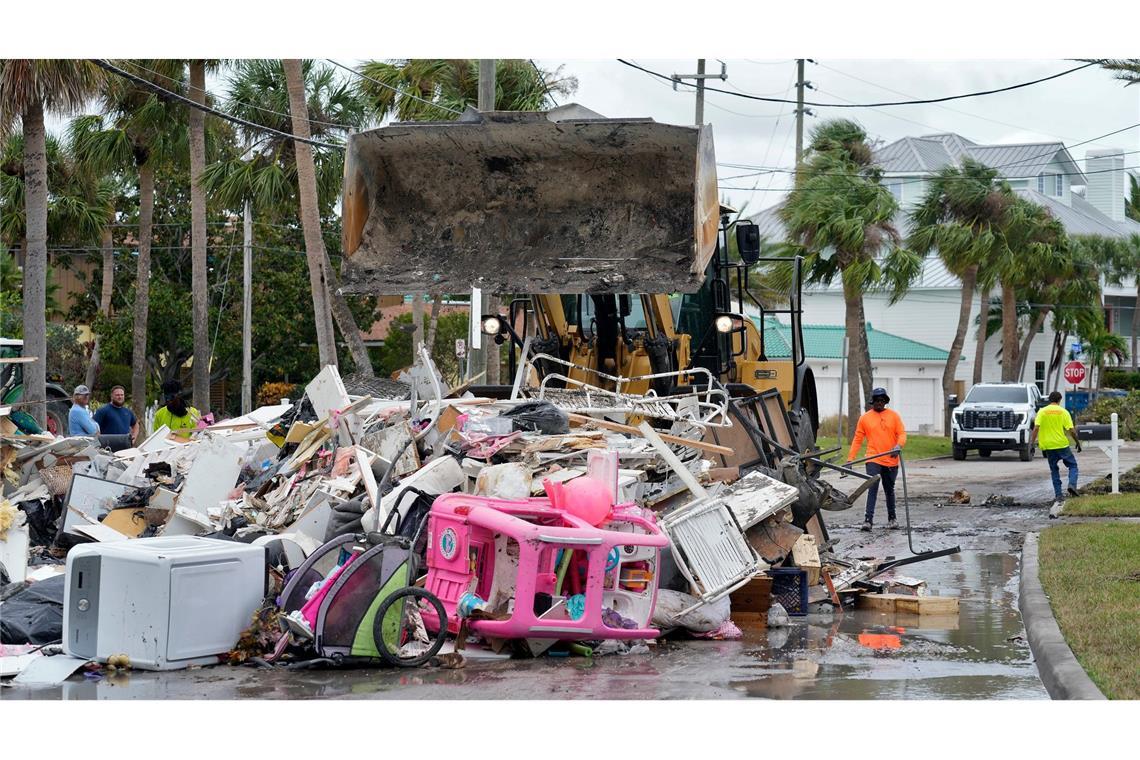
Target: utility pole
700, 78
801, 84
247, 313
479, 360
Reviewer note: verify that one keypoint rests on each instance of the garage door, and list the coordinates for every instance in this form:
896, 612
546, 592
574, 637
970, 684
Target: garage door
915, 402
827, 390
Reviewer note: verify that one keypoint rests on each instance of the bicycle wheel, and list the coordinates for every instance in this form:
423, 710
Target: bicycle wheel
399, 632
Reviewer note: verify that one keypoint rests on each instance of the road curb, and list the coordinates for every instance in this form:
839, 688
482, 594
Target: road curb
1063, 676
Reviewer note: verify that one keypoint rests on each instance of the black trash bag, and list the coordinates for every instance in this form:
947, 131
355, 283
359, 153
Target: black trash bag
42, 516
345, 518
34, 615
539, 417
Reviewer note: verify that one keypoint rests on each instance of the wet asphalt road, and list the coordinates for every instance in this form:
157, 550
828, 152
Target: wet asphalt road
980, 654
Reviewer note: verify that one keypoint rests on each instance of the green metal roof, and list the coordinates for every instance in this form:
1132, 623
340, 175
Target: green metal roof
826, 342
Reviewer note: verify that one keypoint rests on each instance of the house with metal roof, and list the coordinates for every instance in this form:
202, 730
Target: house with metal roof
911, 371
1088, 202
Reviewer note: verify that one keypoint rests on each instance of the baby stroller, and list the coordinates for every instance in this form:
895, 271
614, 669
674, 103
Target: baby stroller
354, 600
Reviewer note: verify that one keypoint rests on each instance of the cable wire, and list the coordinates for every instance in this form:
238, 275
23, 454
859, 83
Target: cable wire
868, 105
147, 84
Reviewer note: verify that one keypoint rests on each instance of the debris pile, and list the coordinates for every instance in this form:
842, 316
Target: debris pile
405, 523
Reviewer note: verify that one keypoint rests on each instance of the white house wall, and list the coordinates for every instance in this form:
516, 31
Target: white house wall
914, 388
926, 316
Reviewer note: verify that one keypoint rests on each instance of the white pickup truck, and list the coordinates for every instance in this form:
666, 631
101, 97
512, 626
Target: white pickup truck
996, 417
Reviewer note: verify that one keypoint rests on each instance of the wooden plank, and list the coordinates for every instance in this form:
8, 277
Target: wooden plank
913, 605
617, 427
830, 588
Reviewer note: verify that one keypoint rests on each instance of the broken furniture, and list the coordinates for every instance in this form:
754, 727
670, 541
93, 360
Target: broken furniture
523, 559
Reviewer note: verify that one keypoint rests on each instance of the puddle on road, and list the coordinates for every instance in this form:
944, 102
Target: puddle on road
979, 654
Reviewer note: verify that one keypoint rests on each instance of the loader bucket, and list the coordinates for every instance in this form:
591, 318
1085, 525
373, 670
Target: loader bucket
529, 202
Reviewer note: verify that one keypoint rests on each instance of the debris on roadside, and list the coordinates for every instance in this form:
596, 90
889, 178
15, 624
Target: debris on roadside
395, 522
960, 496
998, 500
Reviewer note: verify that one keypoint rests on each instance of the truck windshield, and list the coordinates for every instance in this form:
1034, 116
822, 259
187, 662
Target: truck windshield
991, 394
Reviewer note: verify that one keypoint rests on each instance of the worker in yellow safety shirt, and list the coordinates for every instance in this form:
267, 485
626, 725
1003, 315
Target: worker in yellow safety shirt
1052, 431
176, 414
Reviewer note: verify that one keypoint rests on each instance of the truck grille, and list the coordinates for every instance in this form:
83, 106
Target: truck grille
989, 420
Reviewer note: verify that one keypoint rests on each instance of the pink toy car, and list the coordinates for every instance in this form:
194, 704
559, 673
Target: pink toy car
523, 558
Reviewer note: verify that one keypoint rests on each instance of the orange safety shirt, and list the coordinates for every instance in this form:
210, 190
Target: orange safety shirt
883, 431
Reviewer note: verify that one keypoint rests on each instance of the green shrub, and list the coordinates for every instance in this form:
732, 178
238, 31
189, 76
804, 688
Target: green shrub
1127, 409
1121, 378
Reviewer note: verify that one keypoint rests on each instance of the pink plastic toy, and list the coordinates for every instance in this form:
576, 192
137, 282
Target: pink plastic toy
509, 552
586, 498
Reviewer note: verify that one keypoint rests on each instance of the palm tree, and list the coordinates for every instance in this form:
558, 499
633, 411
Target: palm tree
136, 131
1132, 207
28, 89
267, 175
1125, 69
840, 217
310, 215
443, 88
960, 218
1103, 346
1119, 260
200, 292
1035, 253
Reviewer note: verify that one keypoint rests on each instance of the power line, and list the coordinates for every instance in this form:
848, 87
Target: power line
188, 86
872, 105
397, 90
147, 84
541, 78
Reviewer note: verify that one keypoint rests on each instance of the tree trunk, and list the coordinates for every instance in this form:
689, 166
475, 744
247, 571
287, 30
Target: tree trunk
417, 323
1023, 352
1060, 361
347, 323
980, 348
199, 281
1008, 331
969, 281
851, 320
142, 294
310, 214
866, 368
433, 325
35, 262
1136, 324
494, 355
104, 303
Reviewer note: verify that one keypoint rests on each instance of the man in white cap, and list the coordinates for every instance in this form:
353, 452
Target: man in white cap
79, 420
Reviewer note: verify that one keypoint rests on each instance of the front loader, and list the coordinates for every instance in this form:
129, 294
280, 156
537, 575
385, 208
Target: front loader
612, 231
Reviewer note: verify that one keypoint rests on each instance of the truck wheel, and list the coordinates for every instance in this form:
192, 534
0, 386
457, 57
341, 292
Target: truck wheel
1025, 453
57, 417
984, 453
959, 452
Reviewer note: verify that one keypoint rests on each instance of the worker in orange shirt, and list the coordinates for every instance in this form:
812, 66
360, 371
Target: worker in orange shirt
883, 430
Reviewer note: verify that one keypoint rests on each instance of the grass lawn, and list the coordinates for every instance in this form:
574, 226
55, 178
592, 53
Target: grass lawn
917, 446
1104, 505
1091, 573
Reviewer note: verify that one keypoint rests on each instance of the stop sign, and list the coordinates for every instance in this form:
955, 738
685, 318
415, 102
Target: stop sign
1075, 372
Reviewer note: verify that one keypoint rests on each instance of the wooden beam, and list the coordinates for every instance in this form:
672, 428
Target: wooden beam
617, 427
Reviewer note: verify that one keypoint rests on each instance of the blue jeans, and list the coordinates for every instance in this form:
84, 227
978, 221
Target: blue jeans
887, 477
1055, 456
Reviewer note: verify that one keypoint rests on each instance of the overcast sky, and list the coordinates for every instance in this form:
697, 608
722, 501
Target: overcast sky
1071, 109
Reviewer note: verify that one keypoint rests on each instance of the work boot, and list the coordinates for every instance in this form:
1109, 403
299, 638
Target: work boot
1073, 492
866, 526
892, 524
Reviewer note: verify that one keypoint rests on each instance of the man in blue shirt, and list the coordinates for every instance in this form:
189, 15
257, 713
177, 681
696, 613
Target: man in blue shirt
116, 418
79, 420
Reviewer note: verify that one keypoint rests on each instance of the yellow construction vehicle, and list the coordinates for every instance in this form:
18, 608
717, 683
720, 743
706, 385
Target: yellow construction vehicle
612, 227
